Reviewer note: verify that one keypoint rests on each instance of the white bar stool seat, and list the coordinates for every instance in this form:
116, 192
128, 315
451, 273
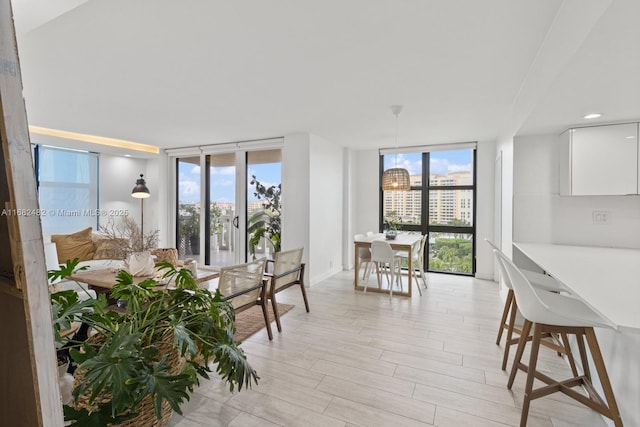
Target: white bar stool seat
539, 281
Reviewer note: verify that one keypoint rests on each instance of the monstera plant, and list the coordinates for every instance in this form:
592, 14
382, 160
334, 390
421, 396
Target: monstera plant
151, 352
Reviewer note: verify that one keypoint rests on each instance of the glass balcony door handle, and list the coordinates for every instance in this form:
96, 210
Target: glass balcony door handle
236, 221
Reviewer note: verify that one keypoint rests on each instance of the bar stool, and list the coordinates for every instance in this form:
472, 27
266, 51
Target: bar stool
539, 281
549, 312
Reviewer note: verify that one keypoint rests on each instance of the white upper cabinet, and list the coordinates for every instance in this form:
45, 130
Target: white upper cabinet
599, 160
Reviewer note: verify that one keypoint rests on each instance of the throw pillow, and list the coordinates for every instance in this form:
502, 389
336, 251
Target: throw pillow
76, 245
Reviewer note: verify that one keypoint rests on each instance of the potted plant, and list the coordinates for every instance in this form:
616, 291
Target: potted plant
189, 227
216, 226
145, 359
265, 222
392, 224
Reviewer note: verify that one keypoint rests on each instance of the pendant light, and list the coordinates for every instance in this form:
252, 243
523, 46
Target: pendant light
396, 179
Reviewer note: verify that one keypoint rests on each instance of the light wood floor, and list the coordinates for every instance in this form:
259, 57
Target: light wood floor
365, 360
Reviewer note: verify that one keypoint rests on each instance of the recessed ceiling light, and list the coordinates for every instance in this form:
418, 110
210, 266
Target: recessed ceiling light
127, 155
593, 116
631, 137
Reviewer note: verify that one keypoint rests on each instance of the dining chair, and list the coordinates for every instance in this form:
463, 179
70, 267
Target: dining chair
364, 257
552, 313
416, 264
510, 310
287, 270
244, 287
387, 260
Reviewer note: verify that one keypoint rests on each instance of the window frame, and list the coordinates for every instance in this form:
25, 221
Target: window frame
424, 227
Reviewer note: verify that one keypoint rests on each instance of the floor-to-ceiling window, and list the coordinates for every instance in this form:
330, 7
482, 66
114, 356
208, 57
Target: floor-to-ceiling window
230, 212
440, 203
188, 208
222, 208
67, 183
263, 203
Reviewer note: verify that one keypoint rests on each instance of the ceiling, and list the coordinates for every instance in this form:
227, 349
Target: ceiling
196, 72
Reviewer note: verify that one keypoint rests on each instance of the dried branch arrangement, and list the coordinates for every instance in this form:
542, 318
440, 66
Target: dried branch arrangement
127, 236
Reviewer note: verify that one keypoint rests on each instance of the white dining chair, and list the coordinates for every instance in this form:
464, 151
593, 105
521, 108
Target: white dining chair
364, 257
416, 264
386, 259
552, 313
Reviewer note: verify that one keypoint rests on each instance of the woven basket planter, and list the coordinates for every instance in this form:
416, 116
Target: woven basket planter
169, 255
146, 414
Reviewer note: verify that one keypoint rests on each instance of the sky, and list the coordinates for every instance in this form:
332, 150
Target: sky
224, 178
441, 162
223, 181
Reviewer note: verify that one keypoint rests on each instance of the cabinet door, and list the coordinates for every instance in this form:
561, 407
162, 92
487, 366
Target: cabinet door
604, 160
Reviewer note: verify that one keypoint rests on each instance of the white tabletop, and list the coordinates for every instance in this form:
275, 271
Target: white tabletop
401, 239
608, 279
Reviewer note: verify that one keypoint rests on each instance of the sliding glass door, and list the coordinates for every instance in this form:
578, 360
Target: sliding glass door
222, 209
188, 209
263, 203
230, 212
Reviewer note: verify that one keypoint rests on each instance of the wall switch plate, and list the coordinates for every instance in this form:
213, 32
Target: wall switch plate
601, 217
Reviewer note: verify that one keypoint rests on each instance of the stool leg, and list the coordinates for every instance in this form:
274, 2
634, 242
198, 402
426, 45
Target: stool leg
526, 328
583, 357
512, 322
604, 377
531, 371
567, 351
505, 313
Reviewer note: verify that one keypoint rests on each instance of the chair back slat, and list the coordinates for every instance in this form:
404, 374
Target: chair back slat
242, 283
286, 261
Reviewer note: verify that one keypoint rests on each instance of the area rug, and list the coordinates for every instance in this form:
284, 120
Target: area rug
251, 321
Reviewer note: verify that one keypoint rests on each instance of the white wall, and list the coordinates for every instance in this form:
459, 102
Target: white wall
312, 202
295, 195
118, 176
505, 148
366, 206
541, 215
325, 208
485, 189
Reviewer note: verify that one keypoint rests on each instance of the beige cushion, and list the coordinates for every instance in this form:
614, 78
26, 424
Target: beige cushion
110, 248
77, 245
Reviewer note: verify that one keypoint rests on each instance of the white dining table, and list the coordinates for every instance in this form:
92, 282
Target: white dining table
402, 242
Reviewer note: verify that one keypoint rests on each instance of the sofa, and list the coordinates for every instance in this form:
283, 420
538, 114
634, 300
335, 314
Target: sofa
94, 251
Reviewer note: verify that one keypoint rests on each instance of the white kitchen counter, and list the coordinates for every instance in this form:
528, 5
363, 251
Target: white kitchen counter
608, 279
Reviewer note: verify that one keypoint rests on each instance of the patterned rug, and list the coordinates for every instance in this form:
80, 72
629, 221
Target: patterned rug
251, 321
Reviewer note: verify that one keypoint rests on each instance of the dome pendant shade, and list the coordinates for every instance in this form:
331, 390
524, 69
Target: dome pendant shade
140, 191
395, 179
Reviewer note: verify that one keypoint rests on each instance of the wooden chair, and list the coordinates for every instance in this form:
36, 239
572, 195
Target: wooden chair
243, 285
284, 271
551, 313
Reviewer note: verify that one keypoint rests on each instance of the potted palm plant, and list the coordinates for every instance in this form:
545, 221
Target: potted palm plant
143, 360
